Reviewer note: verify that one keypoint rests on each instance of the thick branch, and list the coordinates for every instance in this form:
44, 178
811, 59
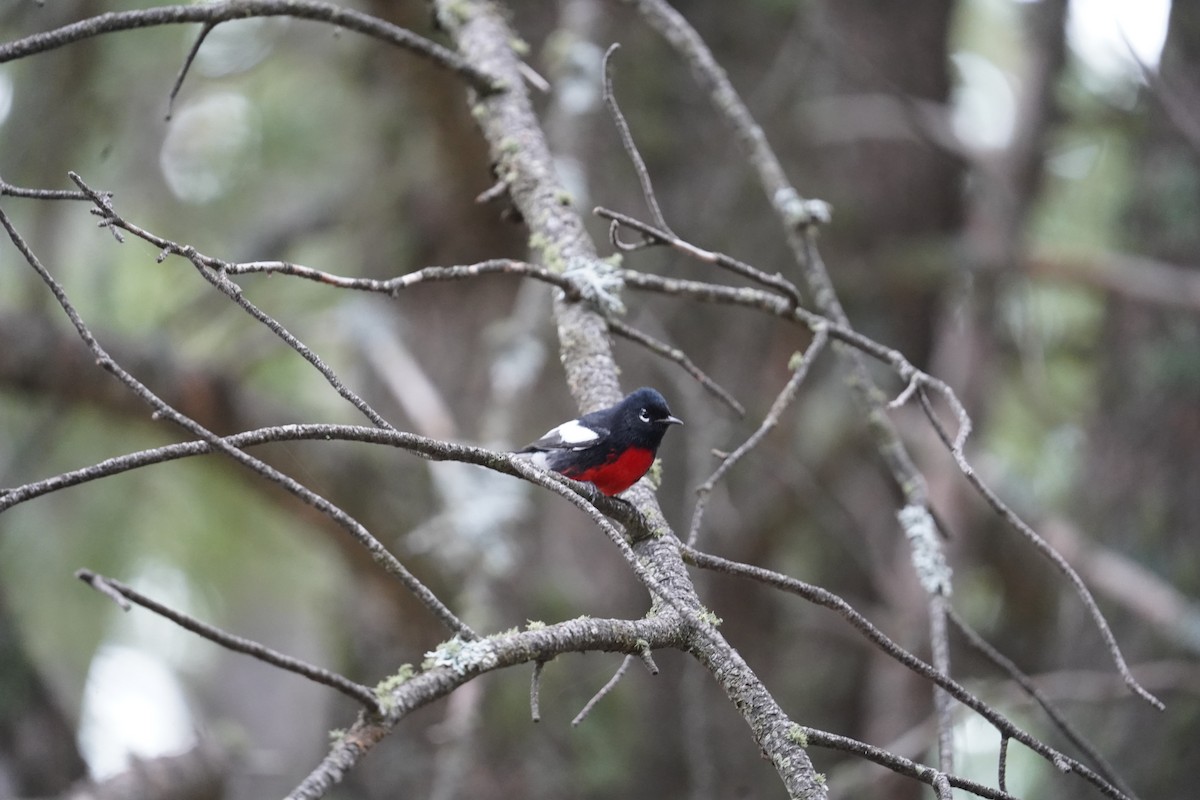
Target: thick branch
573, 636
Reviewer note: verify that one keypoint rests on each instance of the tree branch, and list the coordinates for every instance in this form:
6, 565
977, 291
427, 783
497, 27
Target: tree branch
116, 589
212, 14
785, 398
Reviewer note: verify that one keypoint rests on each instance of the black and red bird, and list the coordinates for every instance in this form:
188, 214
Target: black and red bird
611, 448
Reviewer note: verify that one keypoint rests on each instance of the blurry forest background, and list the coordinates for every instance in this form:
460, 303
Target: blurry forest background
1015, 202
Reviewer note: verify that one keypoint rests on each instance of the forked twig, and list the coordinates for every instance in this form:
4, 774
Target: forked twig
1055, 558
940, 781
500, 651
661, 235
639, 165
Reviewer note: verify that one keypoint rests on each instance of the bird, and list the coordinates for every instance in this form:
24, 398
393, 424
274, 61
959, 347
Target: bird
611, 448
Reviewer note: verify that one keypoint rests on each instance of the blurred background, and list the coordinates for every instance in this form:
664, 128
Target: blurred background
1015, 189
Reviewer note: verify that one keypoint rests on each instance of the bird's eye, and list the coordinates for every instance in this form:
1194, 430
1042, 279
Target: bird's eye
644, 416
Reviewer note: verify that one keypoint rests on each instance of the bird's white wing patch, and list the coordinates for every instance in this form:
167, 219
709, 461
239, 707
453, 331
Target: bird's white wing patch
573, 434
539, 460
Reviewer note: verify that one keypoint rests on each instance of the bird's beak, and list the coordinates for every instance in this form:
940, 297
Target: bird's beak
671, 421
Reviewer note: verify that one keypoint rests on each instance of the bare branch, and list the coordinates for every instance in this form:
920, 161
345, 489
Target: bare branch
9, 190
535, 688
585, 634
393, 286
782, 401
639, 166
205, 30
212, 14
1002, 764
1055, 558
979, 644
943, 705
662, 235
604, 691
355, 691
680, 358
899, 765
771, 304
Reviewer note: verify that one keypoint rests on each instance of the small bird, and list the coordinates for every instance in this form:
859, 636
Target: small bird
611, 448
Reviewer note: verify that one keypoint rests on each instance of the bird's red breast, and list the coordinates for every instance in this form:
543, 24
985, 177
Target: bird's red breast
617, 474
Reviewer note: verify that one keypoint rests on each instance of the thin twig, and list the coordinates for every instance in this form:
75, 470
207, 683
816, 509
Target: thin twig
105, 587
782, 401
631, 149
9, 190
493, 192
646, 656
214, 13
535, 689
604, 690
393, 286
205, 30
679, 357
534, 78
1019, 525
163, 409
355, 691
662, 235
1002, 764
981, 645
